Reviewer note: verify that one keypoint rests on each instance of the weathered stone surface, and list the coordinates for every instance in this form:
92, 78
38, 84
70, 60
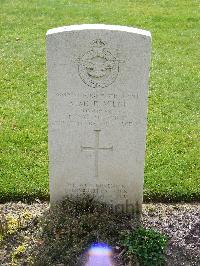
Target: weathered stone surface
97, 106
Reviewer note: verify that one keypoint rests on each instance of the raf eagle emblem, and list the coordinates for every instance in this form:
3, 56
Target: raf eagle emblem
98, 67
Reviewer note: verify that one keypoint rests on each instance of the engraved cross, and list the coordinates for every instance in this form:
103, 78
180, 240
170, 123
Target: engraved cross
96, 150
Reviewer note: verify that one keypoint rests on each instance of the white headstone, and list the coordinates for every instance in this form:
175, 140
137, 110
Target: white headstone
97, 108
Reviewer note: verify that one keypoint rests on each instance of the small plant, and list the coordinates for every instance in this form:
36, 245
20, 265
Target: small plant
147, 245
11, 224
18, 252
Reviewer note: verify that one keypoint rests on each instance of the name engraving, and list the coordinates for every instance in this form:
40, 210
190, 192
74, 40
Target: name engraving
95, 109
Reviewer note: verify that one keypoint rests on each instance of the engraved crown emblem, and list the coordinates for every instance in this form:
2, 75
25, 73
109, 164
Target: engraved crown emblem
98, 43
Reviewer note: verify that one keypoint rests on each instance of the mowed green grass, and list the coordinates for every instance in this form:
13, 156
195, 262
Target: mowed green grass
172, 158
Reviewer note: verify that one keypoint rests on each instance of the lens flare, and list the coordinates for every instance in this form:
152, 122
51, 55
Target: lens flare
99, 254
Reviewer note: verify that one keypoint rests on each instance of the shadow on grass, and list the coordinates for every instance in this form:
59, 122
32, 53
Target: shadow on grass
149, 197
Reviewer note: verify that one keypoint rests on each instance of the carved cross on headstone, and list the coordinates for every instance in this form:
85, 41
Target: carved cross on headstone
96, 150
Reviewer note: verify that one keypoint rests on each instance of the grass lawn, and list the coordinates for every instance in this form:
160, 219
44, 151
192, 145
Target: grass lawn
172, 159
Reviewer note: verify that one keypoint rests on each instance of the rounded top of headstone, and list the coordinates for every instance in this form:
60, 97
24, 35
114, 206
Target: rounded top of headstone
99, 27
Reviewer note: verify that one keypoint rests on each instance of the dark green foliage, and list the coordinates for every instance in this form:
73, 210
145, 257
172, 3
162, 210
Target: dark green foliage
147, 245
